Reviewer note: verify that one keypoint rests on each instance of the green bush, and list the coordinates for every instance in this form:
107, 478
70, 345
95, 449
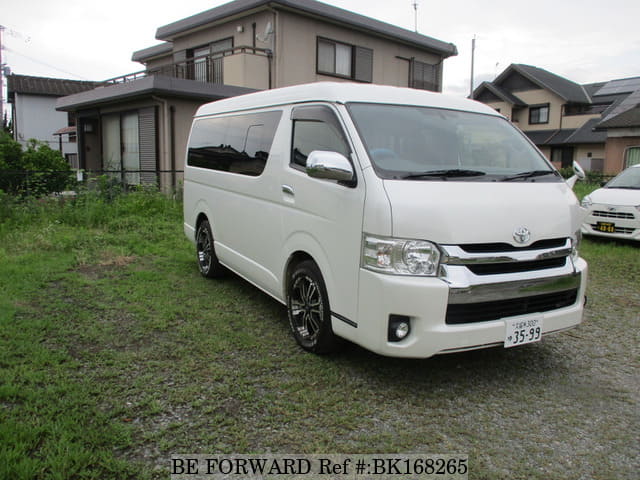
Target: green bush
38, 170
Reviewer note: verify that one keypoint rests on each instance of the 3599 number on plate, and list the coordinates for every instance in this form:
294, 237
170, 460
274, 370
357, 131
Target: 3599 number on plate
520, 331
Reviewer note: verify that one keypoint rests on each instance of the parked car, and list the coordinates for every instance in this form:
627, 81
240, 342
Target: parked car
408, 222
614, 209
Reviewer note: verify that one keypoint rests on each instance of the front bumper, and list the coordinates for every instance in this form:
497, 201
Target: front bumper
426, 302
612, 222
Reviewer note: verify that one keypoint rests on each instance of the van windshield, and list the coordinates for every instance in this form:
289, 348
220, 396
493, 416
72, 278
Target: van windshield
422, 143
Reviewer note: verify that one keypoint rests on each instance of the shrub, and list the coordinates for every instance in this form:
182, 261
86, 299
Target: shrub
39, 170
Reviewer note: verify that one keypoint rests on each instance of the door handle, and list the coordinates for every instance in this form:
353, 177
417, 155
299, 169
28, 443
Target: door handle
287, 189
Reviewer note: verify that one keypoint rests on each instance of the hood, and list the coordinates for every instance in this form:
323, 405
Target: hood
449, 212
616, 196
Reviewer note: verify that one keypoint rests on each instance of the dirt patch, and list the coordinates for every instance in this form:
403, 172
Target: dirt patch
107, 264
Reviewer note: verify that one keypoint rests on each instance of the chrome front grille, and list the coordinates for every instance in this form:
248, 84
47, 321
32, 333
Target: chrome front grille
487, 282
489, 259
603, 214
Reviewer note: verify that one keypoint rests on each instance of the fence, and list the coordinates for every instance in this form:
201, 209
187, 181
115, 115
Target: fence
38, 183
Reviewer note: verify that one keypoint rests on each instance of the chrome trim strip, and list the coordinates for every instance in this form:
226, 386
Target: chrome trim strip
509, 290
351, 323
454, 255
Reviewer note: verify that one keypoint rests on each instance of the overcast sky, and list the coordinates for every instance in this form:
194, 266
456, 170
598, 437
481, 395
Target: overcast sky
584, 41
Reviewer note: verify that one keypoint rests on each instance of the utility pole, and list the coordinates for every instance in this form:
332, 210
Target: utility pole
1, 80
415, 15
473, 52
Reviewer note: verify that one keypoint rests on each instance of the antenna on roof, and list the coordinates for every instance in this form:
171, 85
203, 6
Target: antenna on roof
415, 15
473, 59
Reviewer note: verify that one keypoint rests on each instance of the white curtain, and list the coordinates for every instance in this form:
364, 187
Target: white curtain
131, 147
111, 159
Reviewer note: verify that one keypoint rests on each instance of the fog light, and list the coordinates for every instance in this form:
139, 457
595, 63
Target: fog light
399, 328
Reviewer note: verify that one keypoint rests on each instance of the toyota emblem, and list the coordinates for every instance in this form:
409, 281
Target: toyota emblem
521, 234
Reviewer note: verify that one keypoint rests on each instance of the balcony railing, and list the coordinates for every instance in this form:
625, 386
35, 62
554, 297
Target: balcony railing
206, 68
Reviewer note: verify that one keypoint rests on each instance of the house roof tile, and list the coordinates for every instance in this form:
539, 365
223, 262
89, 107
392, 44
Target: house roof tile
55, 87
499, 92
586, 133
623, 114
565, 89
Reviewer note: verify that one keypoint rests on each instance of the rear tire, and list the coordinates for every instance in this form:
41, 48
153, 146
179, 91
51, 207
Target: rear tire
308, 309
208, 263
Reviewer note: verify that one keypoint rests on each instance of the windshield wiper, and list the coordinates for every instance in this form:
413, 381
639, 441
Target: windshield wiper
451, 173
625, 187
531, 174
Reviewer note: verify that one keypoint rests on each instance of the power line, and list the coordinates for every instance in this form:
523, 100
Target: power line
44, 63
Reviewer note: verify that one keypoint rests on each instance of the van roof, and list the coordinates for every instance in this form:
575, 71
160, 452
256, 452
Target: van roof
342, 92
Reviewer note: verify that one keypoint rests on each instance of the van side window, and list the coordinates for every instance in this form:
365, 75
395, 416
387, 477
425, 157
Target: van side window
237, 144
316, 128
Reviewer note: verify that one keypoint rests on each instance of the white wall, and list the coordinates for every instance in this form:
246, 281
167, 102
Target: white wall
37, 118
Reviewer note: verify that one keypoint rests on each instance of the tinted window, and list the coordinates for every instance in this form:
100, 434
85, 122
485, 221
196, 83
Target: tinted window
237, 144
310, 135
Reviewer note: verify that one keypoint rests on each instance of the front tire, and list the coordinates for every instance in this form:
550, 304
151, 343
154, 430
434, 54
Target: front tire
308, 309
208, 263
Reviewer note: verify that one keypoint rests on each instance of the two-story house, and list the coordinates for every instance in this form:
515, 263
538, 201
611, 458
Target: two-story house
564, 119
33, 110
141, 121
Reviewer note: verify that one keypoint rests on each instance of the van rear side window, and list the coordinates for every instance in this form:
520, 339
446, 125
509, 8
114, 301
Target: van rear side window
237, 144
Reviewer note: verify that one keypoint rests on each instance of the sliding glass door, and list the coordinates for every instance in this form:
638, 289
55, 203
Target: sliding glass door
121, 146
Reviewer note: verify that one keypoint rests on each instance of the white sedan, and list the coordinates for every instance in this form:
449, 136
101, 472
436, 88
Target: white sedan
614, 210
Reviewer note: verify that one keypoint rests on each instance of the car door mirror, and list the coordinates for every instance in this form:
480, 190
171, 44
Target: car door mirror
579, 174
329, 166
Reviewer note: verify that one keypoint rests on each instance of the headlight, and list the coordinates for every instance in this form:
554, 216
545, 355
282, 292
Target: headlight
638, 207
397, 256
586, 202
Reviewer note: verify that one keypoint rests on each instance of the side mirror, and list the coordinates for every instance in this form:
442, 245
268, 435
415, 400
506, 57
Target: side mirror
329, 166
579, 175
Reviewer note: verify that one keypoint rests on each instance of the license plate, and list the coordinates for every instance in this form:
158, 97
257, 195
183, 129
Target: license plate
521, 331
606, 227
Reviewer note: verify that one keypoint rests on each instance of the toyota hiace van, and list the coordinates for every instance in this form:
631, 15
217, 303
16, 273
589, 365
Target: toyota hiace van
409, 222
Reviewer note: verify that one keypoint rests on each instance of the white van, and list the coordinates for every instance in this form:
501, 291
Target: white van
408, 222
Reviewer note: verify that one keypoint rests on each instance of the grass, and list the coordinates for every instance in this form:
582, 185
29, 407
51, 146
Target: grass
116, 354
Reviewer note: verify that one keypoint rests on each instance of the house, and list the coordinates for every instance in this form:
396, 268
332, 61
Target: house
33, 110
566, 120
140, 121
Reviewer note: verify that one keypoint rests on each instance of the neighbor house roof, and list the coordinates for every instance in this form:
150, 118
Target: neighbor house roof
551, 137
565, 89
309, 7
499, 92
625, 114
151, 85
586, 133
55, 87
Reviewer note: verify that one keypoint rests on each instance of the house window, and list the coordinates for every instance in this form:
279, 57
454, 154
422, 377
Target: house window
424, 76
562, 156
632, 157
539, 114
71, 122
344, 60
205, 63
